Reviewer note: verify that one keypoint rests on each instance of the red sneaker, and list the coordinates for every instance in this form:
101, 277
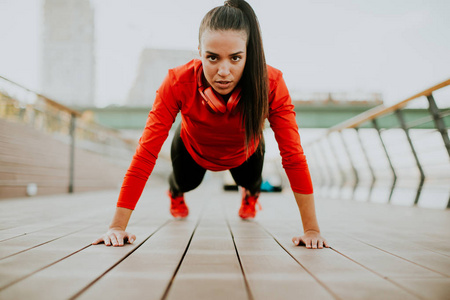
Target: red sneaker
178, 207
248, 206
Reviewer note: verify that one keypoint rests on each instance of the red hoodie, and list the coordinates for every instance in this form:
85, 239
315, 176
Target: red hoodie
215, 141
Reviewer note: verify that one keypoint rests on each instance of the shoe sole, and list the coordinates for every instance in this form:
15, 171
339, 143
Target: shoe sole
181, 216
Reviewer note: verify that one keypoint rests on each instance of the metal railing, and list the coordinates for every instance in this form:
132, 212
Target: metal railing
20, 104
361, 152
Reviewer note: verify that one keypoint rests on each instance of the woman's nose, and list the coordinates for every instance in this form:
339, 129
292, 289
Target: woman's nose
224, 70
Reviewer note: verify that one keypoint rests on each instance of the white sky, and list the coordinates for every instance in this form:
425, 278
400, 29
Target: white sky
396, 47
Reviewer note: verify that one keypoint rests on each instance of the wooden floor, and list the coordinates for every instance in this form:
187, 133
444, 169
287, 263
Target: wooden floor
379, 251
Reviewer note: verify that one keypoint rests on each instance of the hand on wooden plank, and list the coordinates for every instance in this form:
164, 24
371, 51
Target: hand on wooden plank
115, 237
311, 239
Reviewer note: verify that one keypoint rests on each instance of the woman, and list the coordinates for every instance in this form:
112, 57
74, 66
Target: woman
224, 99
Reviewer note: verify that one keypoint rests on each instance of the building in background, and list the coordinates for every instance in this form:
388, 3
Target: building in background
68, 56
153, 67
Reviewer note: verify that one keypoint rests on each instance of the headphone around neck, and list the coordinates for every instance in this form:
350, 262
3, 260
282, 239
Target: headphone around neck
214, 101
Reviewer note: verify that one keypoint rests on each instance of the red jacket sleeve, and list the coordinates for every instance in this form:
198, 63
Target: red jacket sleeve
283, 123
160, 119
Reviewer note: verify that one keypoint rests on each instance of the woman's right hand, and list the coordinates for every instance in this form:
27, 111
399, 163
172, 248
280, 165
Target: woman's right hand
115, 237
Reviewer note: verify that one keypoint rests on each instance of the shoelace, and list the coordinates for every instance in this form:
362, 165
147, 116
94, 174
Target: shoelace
177, 201
256, 203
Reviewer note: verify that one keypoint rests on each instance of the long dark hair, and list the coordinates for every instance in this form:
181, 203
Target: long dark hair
254, 103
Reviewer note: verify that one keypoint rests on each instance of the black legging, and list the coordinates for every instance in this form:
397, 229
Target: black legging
187, 174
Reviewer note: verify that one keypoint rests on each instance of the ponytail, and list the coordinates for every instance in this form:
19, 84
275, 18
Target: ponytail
254, 103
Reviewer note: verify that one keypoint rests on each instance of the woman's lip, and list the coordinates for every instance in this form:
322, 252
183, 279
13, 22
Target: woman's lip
223, 84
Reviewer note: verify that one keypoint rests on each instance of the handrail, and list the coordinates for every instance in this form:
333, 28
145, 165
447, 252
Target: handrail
381, 109
48, 115
364, 168
46, 99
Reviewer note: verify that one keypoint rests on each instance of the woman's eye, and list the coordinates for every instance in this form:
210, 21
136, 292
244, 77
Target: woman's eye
212, 58
236, 58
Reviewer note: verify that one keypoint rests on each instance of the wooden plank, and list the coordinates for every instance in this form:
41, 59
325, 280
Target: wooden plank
434, 242
25, 215
58, 209
210, 269
424, 257
83, 267
428, 288
13, 229
147, 272
434, 245
19, 266
52, 265
385, 264
271, 272
415, 227
344, 277
30, 241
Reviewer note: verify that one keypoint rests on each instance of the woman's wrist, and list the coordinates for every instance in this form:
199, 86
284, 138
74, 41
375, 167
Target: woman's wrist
112, 227
121, 218
312, 230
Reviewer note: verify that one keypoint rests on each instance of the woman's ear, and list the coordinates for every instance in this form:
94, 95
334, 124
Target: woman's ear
199, 51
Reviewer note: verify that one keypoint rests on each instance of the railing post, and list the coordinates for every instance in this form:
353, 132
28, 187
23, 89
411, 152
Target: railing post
355, 173
375, 125
72, 152
399, 114
338, 160
323, 174
327, 162
314, 165
438, 122
372, 173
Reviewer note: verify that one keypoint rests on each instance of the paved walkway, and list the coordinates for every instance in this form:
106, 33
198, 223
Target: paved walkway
379, 251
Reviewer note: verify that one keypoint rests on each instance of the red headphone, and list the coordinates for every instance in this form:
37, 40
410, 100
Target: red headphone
216, 102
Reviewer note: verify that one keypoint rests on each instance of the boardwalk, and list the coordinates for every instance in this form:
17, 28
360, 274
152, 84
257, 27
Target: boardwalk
379, 251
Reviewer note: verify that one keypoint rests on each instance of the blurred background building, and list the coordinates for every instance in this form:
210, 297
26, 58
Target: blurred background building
153, 67
67, 72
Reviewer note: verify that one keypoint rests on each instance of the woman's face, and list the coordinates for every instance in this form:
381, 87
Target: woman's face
223, 54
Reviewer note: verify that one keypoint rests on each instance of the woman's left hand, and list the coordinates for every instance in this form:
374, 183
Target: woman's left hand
311, 239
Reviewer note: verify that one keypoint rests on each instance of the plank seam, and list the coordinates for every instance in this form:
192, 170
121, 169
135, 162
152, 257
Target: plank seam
405, 259
52, 240
166, 292
44, 228
433, 250
301, 265
43, 268
117, 263
379, 275
415, 243
16, 236
247, 286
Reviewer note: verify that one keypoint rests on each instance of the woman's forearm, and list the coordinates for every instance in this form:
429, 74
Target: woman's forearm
121, 218
305, 203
